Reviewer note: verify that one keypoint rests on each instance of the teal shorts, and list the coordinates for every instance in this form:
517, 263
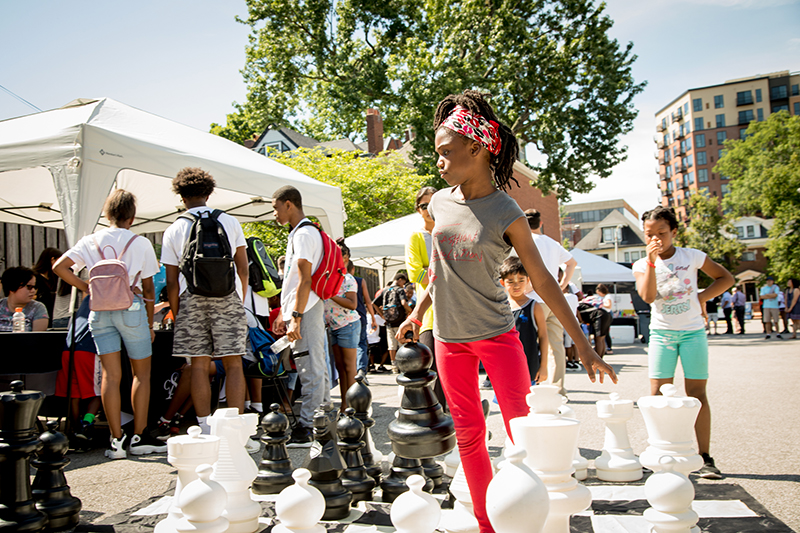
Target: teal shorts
666, 346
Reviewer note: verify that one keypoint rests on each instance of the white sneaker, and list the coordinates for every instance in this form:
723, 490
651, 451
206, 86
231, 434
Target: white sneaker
115, 449
252, 445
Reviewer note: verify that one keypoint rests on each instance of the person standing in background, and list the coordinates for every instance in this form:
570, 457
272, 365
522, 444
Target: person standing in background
46, 280
770, 310
727, 309
739, 302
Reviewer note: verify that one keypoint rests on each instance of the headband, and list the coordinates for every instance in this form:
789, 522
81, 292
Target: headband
475, 127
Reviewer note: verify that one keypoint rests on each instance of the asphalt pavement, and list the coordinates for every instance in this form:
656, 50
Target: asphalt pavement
754, 400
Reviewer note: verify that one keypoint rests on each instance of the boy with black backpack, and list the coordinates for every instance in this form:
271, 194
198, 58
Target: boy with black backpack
392, 305
205, 255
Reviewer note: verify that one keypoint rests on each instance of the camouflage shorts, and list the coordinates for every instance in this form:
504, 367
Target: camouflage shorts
214, 327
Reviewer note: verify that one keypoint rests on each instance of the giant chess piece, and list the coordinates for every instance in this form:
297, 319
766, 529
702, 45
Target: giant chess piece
235, 469
275, 468
523, 509
421, 429
326, 466
203, 503
186, 453
579, 462
550, 441
50, 489
300, 507
355, 477
671, 494
414, 511
617, 462
18, 441
396, 484
669, 420
359, 397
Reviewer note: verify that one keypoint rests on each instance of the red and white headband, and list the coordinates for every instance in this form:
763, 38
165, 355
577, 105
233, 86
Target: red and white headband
475, 127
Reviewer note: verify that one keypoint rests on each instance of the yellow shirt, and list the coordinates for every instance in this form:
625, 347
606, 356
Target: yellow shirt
417, 262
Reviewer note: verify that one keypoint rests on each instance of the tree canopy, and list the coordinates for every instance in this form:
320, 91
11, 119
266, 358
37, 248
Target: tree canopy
558, 79
764, 169
374, 189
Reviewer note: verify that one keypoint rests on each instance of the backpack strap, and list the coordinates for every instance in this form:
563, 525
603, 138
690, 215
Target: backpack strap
100, 250
214, 215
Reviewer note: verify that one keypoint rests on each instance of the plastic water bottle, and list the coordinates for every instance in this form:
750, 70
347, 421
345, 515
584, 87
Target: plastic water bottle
18, 320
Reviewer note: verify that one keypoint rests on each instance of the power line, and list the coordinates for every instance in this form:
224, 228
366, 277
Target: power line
21, 99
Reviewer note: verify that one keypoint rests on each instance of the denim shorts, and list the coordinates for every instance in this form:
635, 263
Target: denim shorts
666, 346
111, 328
347, 336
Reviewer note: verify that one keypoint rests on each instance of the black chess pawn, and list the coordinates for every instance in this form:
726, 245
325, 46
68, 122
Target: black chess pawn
359, 397
394, 484
275, 467
433, 470
50, 489
326, 466
355, 477
18, 441
421, 429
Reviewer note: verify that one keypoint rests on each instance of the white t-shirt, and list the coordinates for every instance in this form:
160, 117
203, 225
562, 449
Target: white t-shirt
553, 256
572, 302
177, 235
139, 258
304, 243
676, 306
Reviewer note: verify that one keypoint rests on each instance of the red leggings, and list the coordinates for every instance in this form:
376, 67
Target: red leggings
507, 367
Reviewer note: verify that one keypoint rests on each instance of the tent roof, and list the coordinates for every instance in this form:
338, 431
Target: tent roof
596, 269
58, 166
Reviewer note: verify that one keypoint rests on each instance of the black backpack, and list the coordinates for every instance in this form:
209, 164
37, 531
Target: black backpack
393, 311
263, 274
207, 259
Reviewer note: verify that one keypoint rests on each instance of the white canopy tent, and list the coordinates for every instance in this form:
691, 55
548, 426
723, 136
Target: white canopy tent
596, 269
57, 168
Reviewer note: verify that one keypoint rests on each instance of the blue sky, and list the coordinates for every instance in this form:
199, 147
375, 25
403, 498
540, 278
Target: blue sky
180, 59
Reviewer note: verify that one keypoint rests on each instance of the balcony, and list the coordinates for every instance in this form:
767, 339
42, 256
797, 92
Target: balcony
744, 101
679, 134
660, 128
661, 160
681, 150
660, 143
677, 116
745, 121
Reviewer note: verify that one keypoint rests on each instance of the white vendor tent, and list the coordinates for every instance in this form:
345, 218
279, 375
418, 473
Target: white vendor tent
596, 269
57, 168
383, 247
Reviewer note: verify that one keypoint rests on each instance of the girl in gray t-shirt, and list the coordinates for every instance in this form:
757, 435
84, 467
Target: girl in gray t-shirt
476, 226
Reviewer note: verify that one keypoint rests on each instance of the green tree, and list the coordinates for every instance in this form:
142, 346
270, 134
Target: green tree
374, 189
764, 169
557, 78
712, 232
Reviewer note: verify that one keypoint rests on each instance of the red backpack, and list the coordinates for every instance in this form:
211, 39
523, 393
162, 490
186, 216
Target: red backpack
328, 278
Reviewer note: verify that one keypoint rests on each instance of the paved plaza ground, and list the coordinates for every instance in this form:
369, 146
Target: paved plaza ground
754, 398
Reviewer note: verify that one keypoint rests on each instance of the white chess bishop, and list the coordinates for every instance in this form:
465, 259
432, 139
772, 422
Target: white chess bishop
669, 420
617, 461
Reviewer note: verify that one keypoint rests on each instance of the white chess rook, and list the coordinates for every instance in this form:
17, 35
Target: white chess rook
525, 507
669, 420
579, 462
300, 507
549, 441
617, 462
235, 470
671, 494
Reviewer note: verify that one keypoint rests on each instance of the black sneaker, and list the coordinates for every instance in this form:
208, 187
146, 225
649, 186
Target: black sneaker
145, 444
778, 336
381, 370
161, 432
84, 431
486, 385
767, 337
709, 471
301, 437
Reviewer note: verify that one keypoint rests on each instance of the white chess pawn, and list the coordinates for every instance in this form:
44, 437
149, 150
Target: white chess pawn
617, 461
186, 453
579, 462
300, 507
202, 502
451, 462
235, 470
523, 509
669, 420
671, 494
550, 441
461, 519
415, 511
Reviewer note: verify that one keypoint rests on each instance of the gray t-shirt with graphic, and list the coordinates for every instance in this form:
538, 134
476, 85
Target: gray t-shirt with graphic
469, 304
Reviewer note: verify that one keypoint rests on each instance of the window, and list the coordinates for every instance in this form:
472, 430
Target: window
702, 173
795, 90
743, 133
686, 108
669, 172
666, 139
721, 121
797, 108
697, 104
689, 178
721, 136
776, 93
700, 140
745, 117
609, 234
628, 257
635, 255
784, 107
751, 232
666, 156
689, 160
663, 123
740, 231
698, 124
758, 95
748, 256
760, 114
744, 98
719, 102
686, 145
701, 158
724, 189
677, 168
687, 129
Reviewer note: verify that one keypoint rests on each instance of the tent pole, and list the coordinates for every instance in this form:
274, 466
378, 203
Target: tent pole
71, 365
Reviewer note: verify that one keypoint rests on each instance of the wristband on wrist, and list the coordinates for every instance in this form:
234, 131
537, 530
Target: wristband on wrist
651, 265
415, 321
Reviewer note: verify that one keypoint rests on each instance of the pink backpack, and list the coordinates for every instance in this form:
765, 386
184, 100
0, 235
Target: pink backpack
108, 282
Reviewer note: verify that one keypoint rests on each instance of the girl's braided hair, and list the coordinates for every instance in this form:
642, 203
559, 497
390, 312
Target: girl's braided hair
502, 164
